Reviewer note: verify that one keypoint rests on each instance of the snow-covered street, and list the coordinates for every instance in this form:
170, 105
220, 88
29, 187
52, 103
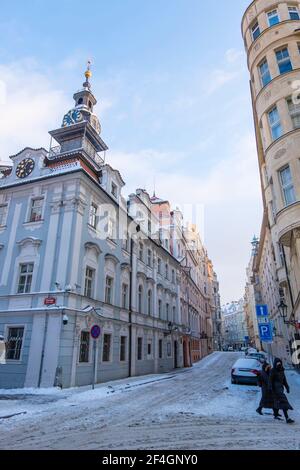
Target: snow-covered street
195, 408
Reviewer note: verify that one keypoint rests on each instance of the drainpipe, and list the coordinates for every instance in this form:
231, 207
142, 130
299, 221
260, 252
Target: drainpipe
288, 277
130, 309
43, 350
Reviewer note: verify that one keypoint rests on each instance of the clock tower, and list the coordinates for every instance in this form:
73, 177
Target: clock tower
79, 138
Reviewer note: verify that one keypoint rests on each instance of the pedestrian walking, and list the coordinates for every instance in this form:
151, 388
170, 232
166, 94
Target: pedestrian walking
277, 385
267, 398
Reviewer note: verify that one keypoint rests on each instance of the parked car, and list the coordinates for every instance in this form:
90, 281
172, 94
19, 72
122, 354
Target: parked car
230, 348
243, 349
246, 371
250, 350
260, 356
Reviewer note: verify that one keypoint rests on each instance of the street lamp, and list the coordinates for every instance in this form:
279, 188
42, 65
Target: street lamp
282, 307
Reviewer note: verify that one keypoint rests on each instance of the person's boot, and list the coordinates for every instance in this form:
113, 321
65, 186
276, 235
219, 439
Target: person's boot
259, 411
290, 421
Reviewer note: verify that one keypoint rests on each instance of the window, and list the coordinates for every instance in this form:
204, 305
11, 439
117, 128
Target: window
159, 308
160, 349
294, 13
125, 241
106, 348
112, 228
273, 17
294, 110
264, 72
140, 349
140, 299
141, 252
283, 60
149, 302
84, 351
89, 282
275, 123
173, 276
14, 343
167, 311
114, 190
169, 349
36, 210
123, 347
25, 279
3, 213
255, 31
287, 186
174, 315
93, 215
166, 243
149, 258
109, 290
124, 295
149, 228
167, 271
159, 266
149, 349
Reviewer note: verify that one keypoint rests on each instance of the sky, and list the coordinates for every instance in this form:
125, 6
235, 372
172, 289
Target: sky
173, 96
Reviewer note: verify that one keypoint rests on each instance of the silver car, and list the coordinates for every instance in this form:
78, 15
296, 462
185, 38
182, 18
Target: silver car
246, 371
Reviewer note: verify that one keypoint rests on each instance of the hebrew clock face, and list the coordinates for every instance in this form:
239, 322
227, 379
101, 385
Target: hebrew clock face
25, 167
72, 117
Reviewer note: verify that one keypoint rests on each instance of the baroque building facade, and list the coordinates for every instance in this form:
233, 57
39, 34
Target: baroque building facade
235, 329
75, 253
271, 32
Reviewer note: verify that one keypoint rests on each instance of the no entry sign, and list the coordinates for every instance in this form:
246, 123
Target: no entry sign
95, 331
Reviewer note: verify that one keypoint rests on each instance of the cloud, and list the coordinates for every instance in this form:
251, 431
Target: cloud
29, 107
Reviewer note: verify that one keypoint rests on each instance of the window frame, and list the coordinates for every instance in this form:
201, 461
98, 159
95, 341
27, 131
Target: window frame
296, 11
87, 332
264, 82
31, 209
123, 348
4, 214
93, 215
139, 349
276, 124
286, 187
284, 60
254, 29
91, 279
294, 111
268, 13
6, 329
26, 275
109, 289
106, 334
124, 295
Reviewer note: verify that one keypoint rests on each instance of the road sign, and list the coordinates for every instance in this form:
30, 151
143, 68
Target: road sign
262, 311
266, 332
95, 331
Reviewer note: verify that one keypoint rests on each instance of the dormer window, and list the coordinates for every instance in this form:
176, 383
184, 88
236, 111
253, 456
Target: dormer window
114, 190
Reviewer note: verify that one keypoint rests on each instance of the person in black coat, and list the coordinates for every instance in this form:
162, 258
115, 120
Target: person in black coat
277, 385
267, 398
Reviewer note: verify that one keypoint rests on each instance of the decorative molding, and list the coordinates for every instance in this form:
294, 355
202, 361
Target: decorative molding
125, 266
34, 241
112, 258
93, 246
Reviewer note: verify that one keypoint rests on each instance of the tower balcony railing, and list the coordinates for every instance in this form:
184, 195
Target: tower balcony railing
88, 149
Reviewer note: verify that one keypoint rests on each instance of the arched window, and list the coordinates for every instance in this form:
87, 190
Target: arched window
149, 302
80, 101
140, 299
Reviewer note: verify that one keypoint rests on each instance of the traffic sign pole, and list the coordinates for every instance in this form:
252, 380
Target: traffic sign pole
94, 364
95, 334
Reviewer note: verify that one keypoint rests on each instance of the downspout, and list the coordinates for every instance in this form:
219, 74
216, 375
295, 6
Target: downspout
130, 309
287, 276
43, 350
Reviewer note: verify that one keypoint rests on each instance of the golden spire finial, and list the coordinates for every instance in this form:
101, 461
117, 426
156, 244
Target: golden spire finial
88, 74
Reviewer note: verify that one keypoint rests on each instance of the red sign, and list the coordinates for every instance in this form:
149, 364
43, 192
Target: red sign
50, 301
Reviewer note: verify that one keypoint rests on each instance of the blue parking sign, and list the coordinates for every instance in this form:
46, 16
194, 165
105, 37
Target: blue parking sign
266, 332
262, 311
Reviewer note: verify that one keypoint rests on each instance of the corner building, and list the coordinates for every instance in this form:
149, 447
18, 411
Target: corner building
271, 32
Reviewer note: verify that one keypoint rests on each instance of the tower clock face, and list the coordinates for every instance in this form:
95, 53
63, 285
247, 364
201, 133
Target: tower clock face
72, 117
25, 167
